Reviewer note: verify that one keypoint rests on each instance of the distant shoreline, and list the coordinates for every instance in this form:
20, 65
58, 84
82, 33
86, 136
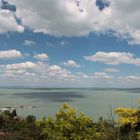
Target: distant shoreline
91, 88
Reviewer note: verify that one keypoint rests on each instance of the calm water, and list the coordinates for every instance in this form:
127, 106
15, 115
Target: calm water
93, 102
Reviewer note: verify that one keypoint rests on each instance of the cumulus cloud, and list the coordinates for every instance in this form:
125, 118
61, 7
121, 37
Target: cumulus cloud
131, 80
8, 22
83, 75
10, 54
41, 57
101, 75
29, 43
55, 68
71, 63
35, 71
125, 14
114, 58
59, 73
41, 74
57, 17
18, 66
72, 18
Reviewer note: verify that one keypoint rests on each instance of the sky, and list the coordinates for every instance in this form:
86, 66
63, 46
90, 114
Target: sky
70, 43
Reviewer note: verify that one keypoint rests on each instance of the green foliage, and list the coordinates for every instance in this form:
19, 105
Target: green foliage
17, 128
30, 119
107, 129
68, 125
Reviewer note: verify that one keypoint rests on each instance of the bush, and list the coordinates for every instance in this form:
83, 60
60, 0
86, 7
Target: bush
67, 124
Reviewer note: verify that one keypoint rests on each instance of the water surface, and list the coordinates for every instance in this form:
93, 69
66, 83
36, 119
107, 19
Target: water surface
93, 102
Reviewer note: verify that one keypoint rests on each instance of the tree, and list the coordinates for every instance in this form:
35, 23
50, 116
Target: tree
68, 125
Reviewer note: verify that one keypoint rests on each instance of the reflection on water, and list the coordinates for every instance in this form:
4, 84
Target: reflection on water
52, 96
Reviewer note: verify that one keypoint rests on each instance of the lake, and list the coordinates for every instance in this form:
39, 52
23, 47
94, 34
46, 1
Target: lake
94, 102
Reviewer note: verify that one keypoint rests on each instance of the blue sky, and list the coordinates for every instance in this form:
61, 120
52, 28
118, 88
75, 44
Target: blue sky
77, 43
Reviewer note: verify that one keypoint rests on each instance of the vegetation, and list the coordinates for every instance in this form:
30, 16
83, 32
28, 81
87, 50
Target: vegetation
67, 124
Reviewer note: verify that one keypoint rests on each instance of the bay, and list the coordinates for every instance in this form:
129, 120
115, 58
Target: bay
94, 102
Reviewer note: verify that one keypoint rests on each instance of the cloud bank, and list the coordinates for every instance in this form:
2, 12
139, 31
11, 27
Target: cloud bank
114, 58
69, 18
57, 17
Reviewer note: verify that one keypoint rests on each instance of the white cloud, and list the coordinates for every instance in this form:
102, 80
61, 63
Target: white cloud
20, 72
41, 74
55, 17
83, 75
55, 68
57, 44
63, 17
68, 18
41, 57
8, 22
18, 66
64, 43
71, 63
10, 54
33, 72
133, 80
135, 37
114, 58
101, 75
111, 70
124, 19
13, 71
58, 73
29, 43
